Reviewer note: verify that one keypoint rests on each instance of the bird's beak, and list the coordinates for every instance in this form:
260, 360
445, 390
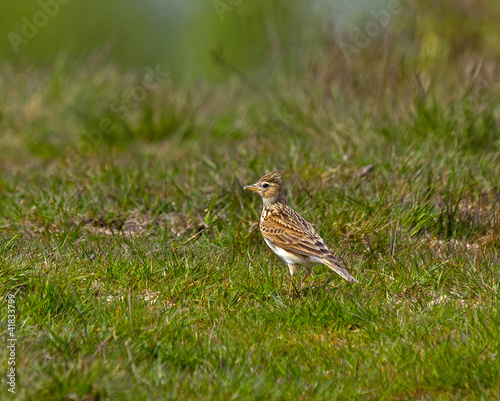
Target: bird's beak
252, 187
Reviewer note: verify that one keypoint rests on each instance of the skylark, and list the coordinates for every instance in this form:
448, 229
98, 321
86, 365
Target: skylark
290, 236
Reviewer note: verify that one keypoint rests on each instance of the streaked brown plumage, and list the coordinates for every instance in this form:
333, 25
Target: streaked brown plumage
289, 235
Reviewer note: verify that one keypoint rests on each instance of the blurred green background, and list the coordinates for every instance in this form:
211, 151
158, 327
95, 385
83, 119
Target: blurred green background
185, 37
228, 65
181, 36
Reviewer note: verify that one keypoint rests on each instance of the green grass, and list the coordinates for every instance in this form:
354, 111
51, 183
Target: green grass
137, 264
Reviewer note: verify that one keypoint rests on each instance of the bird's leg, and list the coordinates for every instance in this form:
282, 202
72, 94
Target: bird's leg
308, 273
293, 269
292, 285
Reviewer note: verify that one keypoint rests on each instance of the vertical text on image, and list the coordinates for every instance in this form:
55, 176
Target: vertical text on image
11, 343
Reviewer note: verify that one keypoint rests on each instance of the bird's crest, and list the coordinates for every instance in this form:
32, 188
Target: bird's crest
272, 177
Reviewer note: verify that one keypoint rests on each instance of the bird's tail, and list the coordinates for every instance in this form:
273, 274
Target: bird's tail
336, 265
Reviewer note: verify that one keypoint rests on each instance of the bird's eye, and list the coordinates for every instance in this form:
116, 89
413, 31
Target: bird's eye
266, 185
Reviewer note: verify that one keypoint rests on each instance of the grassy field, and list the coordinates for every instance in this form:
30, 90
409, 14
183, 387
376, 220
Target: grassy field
136, 263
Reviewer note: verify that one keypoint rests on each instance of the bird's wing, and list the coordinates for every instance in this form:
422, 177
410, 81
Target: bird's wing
288, 230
